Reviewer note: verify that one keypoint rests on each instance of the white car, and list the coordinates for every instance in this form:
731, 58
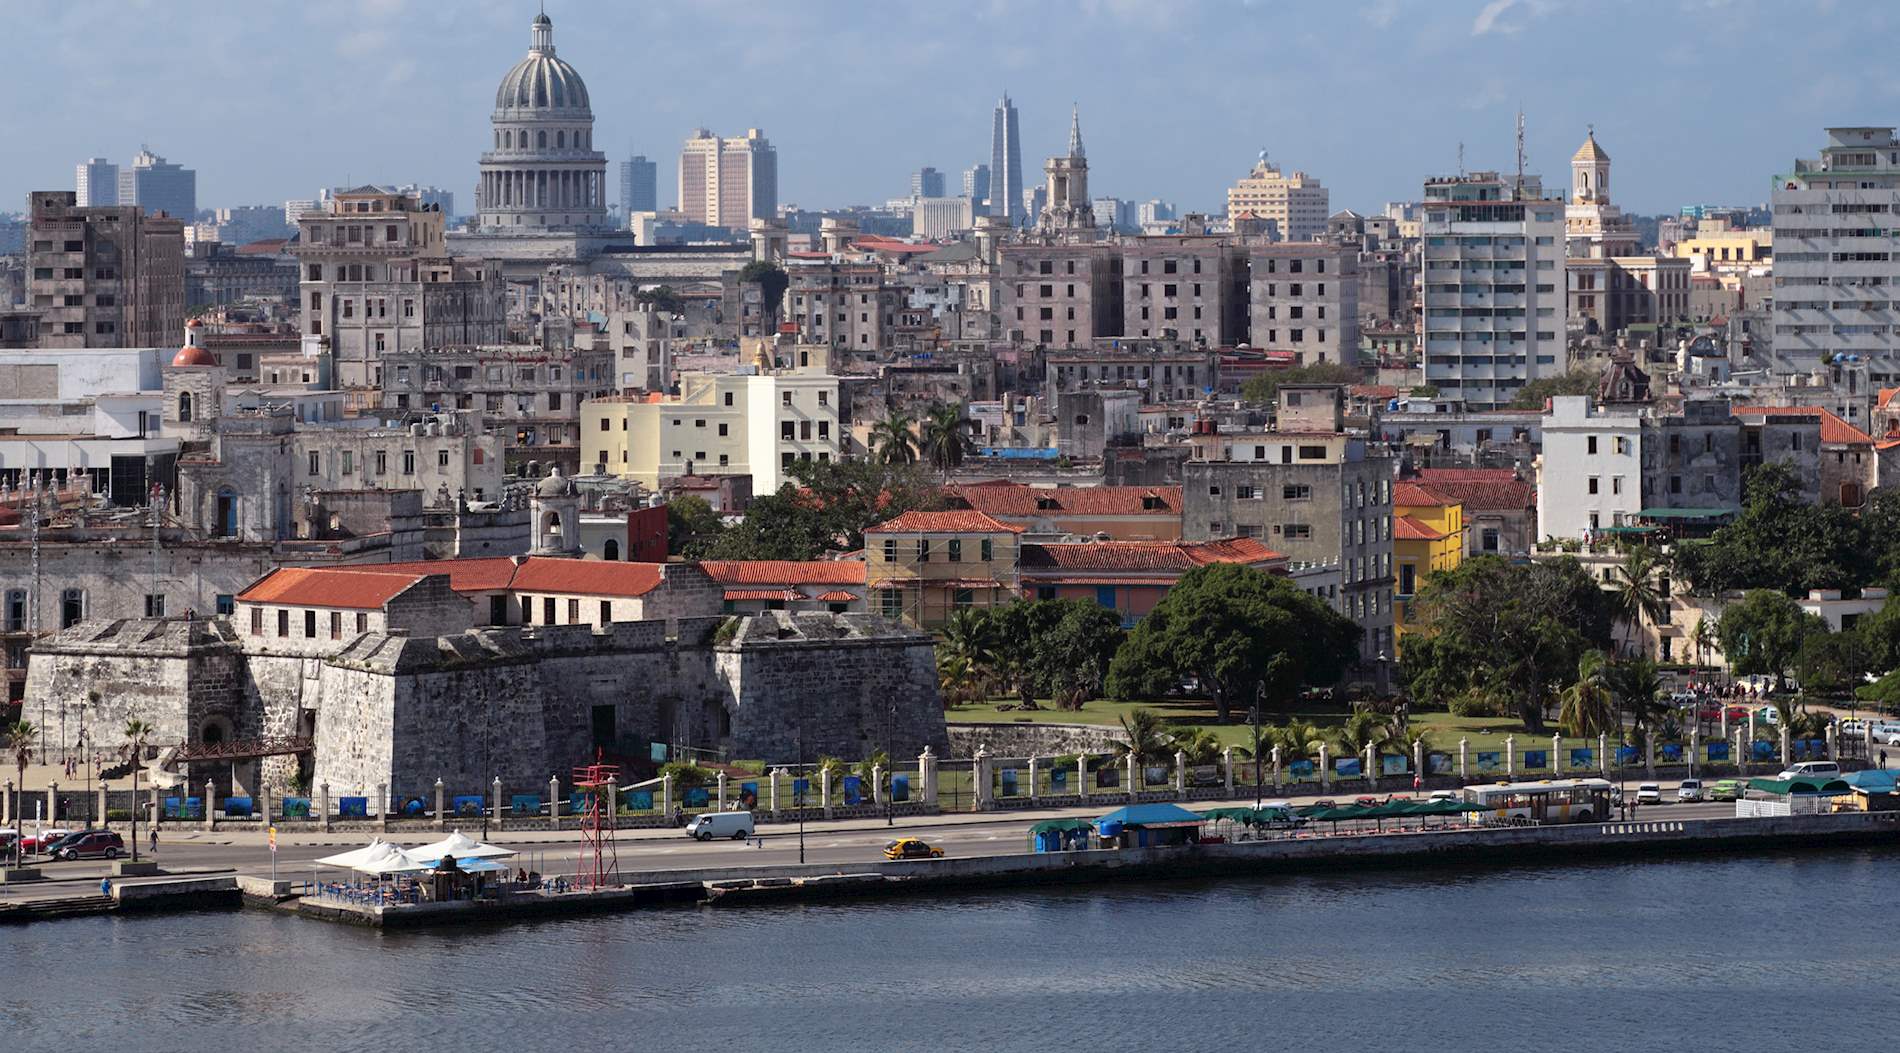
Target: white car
1689, 790
1649, 793
1887, 735
1444, 795
1814, 769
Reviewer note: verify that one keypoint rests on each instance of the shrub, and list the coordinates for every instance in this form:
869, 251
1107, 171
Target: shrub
687, 775
1472, 704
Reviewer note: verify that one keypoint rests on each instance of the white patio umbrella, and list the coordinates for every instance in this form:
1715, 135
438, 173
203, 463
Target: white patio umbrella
388, 860
460, 846
348, 860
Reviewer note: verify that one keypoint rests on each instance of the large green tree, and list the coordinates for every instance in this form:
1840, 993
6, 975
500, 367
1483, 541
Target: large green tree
1781, 542
944, 437
1058, 649
1509, 633
1575, 382
1762, 632
692, 527
1241, 632
825, 508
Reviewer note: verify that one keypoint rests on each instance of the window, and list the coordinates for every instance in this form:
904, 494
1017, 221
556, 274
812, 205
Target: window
1592, 488
283, 622
1297, 530
1590, 445
382, 462
984, 550
336, 625
316, 462
362, 621
890, 550
257, 621
573, 612
547, 610
408, 462
1296, 492
956, 550
923, 550
441, 458
154, 605
310, 625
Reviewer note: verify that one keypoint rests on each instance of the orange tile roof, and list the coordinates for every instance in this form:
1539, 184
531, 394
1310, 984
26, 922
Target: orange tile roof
1411, 528
1004, 498
1833, 428
761, 594
367, 589
1415, 494
1886, 395
839, 597
1142, 556
965, 522
784, 571
588, 577
1480, 489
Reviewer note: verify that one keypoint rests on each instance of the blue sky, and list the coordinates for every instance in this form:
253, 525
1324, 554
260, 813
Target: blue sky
1696, 100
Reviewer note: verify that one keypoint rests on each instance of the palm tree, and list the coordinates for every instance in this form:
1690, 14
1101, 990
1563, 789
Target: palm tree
968, 634
1200, 745
1361, 730
944, 437
1635, 594
1143, 738
1635, 683
891, 440
1588, 707
1703, 638
18, 740
1297, 741
956, 679
1413, 742
136, 733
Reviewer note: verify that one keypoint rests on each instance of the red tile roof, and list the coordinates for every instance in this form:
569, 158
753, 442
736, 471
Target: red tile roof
1480, 489
1416, 494
1411, 528
1833, 428
839, 597
1886, 395
1004, 498
328, 587
965, 522
1142, 556
584, 577
784, 571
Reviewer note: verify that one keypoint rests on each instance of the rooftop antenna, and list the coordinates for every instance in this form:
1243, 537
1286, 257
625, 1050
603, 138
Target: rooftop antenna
1520, 153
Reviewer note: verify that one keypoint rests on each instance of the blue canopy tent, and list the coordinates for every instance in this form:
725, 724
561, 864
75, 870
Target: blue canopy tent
1149, 825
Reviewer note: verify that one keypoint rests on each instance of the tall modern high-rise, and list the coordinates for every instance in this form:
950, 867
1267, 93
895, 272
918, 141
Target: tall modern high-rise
1835, 270
976, 185
728, 182
97, 183
1006, 164
1296, 204
1493, 277
639, 185
926, 182
156, 185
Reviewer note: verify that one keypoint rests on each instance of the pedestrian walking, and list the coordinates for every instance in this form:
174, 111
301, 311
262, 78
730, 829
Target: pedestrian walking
154, 842
1883, 758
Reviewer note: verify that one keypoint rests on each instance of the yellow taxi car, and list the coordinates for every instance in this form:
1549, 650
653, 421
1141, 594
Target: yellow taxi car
911, 848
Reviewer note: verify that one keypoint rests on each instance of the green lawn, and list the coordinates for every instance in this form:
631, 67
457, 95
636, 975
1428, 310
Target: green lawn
1485, 733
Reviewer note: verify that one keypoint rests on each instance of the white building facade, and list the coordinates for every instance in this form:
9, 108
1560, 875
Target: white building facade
1835, 267
1590, 476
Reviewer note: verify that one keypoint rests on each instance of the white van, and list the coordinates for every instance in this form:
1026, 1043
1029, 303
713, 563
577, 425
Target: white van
735, 825
1812, 769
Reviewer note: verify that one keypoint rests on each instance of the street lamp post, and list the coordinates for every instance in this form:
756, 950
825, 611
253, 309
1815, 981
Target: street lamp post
890, 722
1253, 717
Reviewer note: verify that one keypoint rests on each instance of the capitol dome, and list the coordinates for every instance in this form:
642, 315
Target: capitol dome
541, 172
542, 81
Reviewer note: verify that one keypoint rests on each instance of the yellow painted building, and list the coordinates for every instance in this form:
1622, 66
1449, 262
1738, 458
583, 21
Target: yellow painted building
923, 567
1428, 535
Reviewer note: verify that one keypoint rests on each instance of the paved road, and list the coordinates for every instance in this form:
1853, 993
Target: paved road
555, 852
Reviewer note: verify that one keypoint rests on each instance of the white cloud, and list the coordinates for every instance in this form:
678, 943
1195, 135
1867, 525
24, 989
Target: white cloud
1487, 20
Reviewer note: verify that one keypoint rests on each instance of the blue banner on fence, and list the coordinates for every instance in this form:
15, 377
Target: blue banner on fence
1438, 763
467, 805
299, 807
1490, 760
748, 795
1154, 775
800, 787
1301, 770
352, 807
1718, 751
1392, 764
1009, 782
413, 807
1583, 758
1818, 747
640, 800
1762, 751
900, 788
524, 804
1536, 759
853, 790
1672, 752
577, 803
1059, 780
1346, 767
238, 807
1628, 755
697, 797
1108, 775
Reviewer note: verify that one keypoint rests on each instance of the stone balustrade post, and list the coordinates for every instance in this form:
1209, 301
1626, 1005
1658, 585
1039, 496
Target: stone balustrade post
382, 806
1035, 769
1325, 767
1371, 763
156, 811
211, 804
99, 806
440, 821
1695, 745
927, 778
1603, 753
495, 811
1787, 749
1510, 756
666, 796
1180, 775
1832, 750
1741, 755
722, 791
824, 790
6, 806
1556, 754
263, 797
1464, 760
612, 804
554, 802
1227, 770
772, 777
980, 780
1134, 774
323, 802
877, 784
1082, 777
52, 801
1649, 754
1279, 773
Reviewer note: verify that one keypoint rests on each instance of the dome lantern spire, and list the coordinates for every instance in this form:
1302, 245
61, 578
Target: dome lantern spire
541, 40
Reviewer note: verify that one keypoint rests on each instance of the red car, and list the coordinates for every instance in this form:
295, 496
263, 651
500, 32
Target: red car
98, 844
43, 840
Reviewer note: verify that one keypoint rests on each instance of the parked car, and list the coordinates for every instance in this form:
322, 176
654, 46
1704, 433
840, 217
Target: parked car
41, 841
1325, 802
1725, 790
1737, 715
92, 844
1768, 715
1444, 795
733, 825
1887, 736
1689, 790
1854, 728
911, 848
1813, 769
1366, 800
1649, 793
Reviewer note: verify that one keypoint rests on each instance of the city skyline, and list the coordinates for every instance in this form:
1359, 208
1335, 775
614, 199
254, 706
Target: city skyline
1186, 148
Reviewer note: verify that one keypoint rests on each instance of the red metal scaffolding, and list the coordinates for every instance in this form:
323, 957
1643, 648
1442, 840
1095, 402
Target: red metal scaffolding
599, 863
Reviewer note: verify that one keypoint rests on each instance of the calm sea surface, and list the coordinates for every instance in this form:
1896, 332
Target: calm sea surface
1780, 952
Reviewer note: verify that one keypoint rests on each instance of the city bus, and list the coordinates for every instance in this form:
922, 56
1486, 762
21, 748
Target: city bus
1550, 801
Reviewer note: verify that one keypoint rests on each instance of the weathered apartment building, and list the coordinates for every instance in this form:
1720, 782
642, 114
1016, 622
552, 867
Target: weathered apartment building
108, 276
530, 396
1186, 287
1305, 301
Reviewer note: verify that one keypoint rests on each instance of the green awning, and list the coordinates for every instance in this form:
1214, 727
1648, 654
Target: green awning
1783, 787
1061, 826
1629, 530
1238, 815
1686, 513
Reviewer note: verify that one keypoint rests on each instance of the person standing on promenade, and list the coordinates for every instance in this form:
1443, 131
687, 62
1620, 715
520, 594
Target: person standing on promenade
154, 841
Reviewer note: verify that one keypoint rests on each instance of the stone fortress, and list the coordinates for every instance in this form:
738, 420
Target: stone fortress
385, 678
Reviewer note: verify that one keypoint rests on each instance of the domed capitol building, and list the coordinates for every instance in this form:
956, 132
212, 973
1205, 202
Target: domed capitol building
542, 173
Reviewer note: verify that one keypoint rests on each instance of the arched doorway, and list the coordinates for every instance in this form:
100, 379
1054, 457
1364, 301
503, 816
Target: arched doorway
611, 550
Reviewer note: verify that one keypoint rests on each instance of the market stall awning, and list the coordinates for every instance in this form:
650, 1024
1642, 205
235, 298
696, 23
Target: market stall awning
1151, 816
1061, 826
1686, 513
1784, 787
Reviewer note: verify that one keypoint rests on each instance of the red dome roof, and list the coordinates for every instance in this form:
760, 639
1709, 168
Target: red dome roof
193, 355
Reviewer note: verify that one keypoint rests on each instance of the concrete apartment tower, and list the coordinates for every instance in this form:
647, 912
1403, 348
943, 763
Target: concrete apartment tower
1835, 268
110, 276
1295, 203
542, 172
729, 182
156, 185
97, 181
639, 185
1006, 164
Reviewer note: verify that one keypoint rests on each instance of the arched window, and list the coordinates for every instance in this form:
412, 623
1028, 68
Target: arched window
184, 407
497, 140
541, 140
611, 550
211, 734
560, 140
